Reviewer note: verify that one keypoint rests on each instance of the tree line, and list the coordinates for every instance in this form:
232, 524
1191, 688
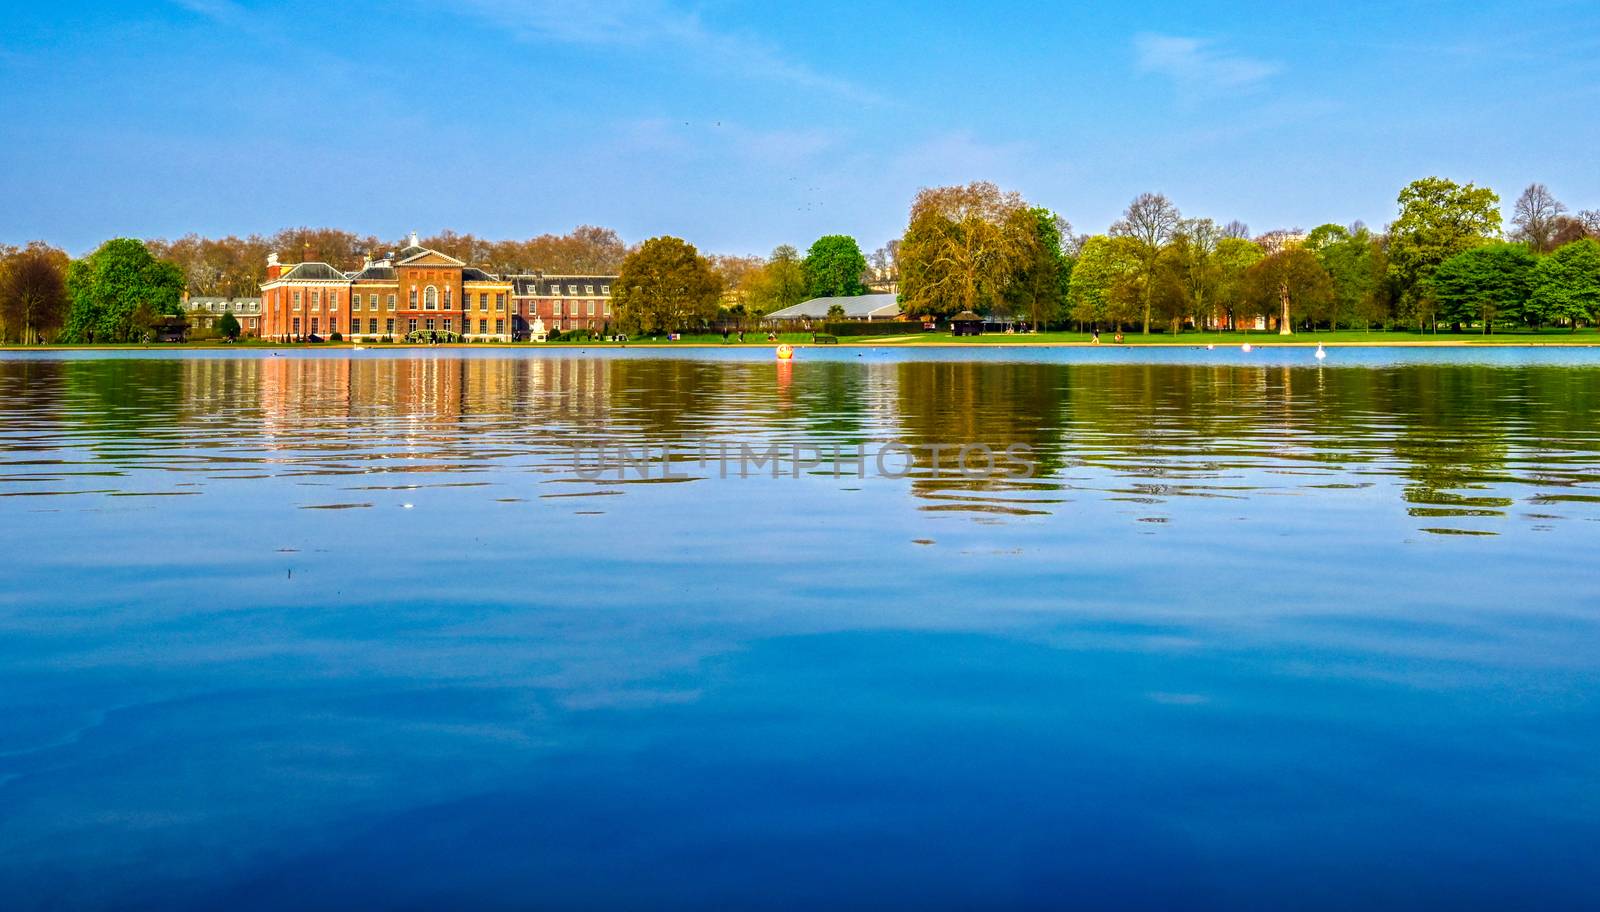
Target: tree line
1442, 260
974, 248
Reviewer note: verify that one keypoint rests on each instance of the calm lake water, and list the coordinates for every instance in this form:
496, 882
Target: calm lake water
341, 630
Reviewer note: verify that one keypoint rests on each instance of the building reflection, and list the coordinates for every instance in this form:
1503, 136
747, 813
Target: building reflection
1451, 441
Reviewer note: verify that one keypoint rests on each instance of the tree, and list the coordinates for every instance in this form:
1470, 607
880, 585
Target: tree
229, 327
666, 286
33, 293
1485, 283
1352, 259
339, 249
1566, 284
1150, 220
778, 284
1567, 229
885, 262
1535, 215
1232, 261
1438, 219
834, 267
1106, 283
962, 247
1291, 283
1039, 288
737, 274
1186, 274
1236, 230
836, 311
118, 291
229, 267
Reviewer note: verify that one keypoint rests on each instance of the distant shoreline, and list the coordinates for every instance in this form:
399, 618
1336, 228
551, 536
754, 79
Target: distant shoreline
1584, 341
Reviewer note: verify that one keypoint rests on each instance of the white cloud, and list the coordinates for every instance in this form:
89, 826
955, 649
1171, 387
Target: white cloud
1197, 66
652, 24
219, 10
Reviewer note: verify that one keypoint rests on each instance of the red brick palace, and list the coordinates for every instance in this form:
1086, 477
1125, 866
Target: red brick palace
423, 291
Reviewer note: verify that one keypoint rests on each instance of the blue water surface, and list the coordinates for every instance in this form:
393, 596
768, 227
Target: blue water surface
331, 630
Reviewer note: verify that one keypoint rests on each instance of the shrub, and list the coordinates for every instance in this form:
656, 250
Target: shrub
877, 328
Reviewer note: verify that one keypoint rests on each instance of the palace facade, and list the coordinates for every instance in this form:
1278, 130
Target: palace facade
421, 291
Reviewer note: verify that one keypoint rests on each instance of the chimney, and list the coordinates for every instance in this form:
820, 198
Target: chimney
274, 268
414, 239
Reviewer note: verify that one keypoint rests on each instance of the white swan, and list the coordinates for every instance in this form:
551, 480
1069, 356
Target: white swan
1247, 347
1320, 354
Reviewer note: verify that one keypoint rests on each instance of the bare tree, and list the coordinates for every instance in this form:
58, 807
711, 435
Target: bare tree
1237, 230
1591, 221
1280, 239
1535, 215
1151, 220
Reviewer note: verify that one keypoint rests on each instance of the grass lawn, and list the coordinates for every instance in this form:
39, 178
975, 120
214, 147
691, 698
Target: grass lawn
1254, 337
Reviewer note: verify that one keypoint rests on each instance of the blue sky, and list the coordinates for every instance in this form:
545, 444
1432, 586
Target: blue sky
742, 126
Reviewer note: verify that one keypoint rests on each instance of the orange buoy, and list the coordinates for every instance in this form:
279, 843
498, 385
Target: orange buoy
785, 352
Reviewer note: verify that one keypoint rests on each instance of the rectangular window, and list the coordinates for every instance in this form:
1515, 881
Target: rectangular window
605, 289
411, 325
313, 326
429, 325
297, 299
572, 289
500, 327
333, 300
483, 301
372, 325
447, 324
297, 326
500, 303
316, 302
591, 308
388, 326
355, 303
588, 289
483, 327
447, 290
413, 299
607, 309
391, 301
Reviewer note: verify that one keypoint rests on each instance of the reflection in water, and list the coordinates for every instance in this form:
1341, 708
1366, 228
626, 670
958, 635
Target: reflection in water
341, 630
1460, 445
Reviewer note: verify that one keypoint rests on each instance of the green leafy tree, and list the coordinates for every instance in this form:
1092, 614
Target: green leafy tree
1290, 284
1039, 288
834, 266
228, 327
836, 311
1107, 285
1485, 283
1438, 219
1354, 261
1232, 261
665, 286
1566, 284
1186, 275
119, 291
